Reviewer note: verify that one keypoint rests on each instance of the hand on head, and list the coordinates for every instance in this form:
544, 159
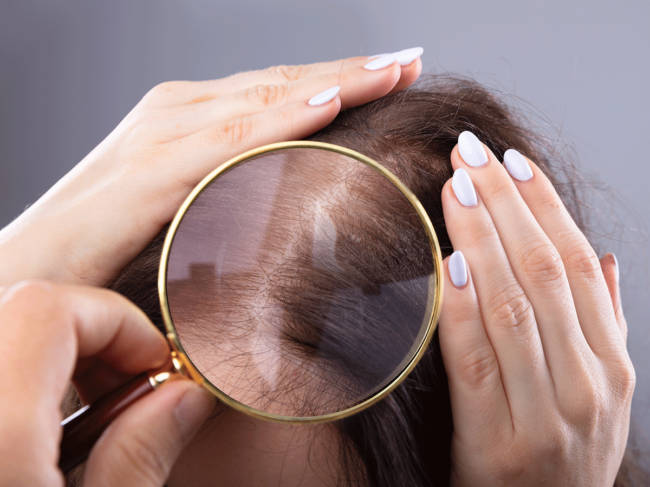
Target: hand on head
103, 213
534, 347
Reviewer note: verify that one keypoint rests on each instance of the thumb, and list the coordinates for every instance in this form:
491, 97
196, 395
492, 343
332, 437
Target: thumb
141, 446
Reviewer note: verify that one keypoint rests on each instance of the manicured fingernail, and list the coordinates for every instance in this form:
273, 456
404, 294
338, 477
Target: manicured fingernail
381, 62
407, 56
192, 411
324, 97
458, 269
618, 272
463, 188
471, 149
517, 165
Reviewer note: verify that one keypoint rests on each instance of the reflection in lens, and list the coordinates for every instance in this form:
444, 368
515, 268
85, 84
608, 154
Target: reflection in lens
300, 282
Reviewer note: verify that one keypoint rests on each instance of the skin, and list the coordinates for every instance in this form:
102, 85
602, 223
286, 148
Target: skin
534, 344
133, 183
53, 332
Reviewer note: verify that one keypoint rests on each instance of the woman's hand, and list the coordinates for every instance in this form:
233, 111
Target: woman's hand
52, 333
532, 332
111, 205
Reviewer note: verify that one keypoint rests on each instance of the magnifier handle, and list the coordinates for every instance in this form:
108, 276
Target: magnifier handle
82, 429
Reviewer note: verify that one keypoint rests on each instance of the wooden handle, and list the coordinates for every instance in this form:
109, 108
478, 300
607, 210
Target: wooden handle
83, 429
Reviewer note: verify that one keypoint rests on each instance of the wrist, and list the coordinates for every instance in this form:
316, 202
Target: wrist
29, 250
84, 233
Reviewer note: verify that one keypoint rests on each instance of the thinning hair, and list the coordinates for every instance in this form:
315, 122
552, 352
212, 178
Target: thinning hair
405, 439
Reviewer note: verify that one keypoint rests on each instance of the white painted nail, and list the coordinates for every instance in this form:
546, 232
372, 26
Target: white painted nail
324, 97
471, 149
463, 188
381, 62
458, 269
618, 272
407, 56
517, 165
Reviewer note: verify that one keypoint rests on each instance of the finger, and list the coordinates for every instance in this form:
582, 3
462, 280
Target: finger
408, 59
142, 444
479, 406
410, 70
507, 315
534, 260
51, 325
223, 141
358, 86
582, 266
174, 93
45, 327
611, 272
189, 92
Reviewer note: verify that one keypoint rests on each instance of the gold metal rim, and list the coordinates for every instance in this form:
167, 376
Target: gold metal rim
182, 362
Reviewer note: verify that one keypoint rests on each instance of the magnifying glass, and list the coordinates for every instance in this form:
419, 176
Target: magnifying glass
300, 282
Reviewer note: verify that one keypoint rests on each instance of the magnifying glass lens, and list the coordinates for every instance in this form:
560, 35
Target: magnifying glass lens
301, 282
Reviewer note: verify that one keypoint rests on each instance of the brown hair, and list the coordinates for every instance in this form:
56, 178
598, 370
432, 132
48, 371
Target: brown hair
404, 440
319, 280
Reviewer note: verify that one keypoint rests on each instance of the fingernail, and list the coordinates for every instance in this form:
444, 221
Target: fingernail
517, 165
192, 411
407, 56
381, 62
463, 188
618, 273
458, 269
324, 97
471, 149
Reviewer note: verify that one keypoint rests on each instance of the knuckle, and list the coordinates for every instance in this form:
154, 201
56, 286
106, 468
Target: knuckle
509, 464
511, 311
266, 95
592, 406
477, 369
482, 236
580, 258
36, 304
542, 263
288, 73
550, 203
513, 472
235, 132
548, 445
163, 90
556, 446
625, 379
33, 291
588, 407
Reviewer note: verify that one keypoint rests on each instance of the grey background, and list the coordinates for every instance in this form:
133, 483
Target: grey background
71, 70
